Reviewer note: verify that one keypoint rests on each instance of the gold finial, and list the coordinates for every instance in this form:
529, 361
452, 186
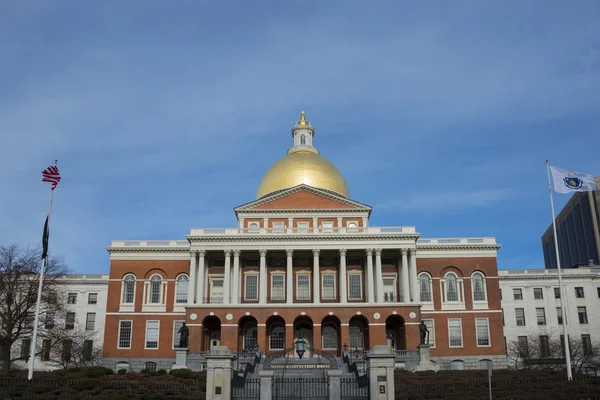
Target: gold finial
302, 120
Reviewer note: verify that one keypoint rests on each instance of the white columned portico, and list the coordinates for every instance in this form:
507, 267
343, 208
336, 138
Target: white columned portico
414, 294
192, 289
235, 291
263, 277
289, 297
405, 279
316, 277
227, 283
370, 297
343, 285
200, 284
378, 276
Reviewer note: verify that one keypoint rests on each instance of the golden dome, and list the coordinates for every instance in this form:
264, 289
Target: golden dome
303, 167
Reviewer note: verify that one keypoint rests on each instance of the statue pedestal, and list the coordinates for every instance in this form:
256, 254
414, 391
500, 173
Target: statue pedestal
180, 359
425, 363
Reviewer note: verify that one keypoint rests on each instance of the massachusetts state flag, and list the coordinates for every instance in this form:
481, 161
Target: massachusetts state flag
570, 181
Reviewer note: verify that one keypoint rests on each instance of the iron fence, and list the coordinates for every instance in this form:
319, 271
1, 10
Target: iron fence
250, 390
502, 389
351, 390
300, 388
84, 389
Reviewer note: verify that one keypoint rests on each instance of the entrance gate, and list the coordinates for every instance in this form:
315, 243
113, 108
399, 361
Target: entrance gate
243, 385
300, 388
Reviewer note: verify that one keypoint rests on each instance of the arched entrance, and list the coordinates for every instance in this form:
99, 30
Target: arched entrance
303, 328
395, 333
211, 327
359, 333
248, 333
331, 334
275, 334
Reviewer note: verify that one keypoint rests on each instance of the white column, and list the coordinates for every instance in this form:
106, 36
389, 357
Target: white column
405, 280
343, 285
316, 277
227, 283
200, 284
289, 297
235, 291
263, 277
370, 294
192, 287
413, 276
378, 276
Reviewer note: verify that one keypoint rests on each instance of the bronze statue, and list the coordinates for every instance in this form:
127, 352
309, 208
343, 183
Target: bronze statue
184, 332
424, 333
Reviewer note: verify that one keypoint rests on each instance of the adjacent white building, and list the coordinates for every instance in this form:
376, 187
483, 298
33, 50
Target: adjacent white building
531, 304
85, 309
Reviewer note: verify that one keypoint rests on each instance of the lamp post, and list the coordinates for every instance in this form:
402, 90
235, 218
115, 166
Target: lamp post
300, 347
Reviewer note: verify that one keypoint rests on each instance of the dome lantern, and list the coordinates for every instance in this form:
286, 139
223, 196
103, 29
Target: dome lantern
303, 134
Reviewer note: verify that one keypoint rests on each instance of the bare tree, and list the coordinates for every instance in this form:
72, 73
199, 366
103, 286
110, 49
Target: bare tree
72, 347
19, 282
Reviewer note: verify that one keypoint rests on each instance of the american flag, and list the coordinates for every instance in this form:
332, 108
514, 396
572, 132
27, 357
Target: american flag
51, 175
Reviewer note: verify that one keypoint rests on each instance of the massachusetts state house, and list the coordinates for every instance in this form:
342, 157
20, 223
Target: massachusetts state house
302, 261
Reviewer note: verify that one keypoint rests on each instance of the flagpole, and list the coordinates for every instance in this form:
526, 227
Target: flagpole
39, 297
562, 305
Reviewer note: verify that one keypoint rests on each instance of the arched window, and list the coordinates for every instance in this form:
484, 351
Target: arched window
122, 365
250, 336
181, 291
483, 364
330, 336
150, 366
128, 289
155, 283
451, 287
457, 365
302, 139
277, 336
425, 287
357, 335
478, 284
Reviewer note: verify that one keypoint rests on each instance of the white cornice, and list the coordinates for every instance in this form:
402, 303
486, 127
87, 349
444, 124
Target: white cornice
459, 247
297, 238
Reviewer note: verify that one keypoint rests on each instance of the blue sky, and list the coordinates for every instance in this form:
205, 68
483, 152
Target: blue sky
165, 115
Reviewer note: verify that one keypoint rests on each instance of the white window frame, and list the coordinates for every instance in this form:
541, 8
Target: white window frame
157, 335
130, 333
211, 279
327, 226
395, 287
127, 307
462, 342
517, 317
303, 273
427, 305
323, 273
161, 306
479, 304
350, 228
360, 275
489, 336
302, 226
175, 337
278, 227
460, 292
246, 275
282, 275
253, 227
175, 302
431, 331
87, 321
271, 332
337, 336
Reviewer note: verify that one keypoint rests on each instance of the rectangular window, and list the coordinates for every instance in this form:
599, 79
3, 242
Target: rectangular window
483, 332
586, 344
389, 289
251, 263
49, 324
52, 298
559, 315
25, 348
303, 287
538, 293
216, 291
67, 346
88, 348
354, 287
45, 350
302, 227
455, 332
557, 293
544, 346
327, 226
90, 321
520, 316
278, 227
125, 334
579, 293
277, 287
523, 346
93, 298
429, 323
70, 320
152, 334
328, 282
540, 315
176, 335
518, 294
251, 292
72, 298
582, 312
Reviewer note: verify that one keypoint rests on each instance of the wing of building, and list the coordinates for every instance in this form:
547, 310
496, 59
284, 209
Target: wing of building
303, 261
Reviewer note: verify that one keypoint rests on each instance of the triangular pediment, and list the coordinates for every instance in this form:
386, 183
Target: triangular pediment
303, 197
